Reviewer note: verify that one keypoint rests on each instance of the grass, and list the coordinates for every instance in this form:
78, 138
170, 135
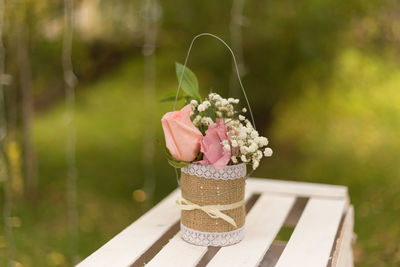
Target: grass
345, 134
110, 129
348, 134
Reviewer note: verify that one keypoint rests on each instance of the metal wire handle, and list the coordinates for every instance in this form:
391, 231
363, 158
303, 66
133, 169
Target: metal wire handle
236, 68
244, 94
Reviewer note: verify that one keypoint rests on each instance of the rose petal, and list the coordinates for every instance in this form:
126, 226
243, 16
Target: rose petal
182, 138
223, 161
213, 151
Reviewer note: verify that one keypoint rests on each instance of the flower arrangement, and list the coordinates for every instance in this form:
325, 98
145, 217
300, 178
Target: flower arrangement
213, 131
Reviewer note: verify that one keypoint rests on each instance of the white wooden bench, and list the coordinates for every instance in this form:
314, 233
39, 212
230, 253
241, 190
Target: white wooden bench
320, 214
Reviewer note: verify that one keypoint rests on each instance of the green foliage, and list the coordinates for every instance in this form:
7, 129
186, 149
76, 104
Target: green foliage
171, 96
189, 88
345, 135
348, 134
173, 161
210, 112
189, 83
177, 164
332, 113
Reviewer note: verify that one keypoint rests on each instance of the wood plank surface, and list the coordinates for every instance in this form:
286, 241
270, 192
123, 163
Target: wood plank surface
262, 225
343, 253
312, 239
128, 246
180, 253
131, 243
300, 189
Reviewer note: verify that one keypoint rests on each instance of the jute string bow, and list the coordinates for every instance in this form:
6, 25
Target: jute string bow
214, 211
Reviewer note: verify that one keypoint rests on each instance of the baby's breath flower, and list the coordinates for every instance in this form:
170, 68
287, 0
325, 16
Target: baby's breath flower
244, 150
242, 134
234, 160
194, 103
214, 96
197, 120
242, 118
224, 102
244, 159
229, 123
262, 141
206, 121
256, 163
248, 124
253, 147
225, 144
268, 152
201, 107
234, 143
254, 134
244, 110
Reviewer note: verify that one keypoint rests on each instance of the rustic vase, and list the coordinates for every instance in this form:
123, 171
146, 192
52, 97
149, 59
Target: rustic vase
203, 186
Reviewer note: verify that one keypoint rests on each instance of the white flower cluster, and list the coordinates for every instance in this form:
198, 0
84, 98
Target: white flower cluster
220, 108
250, 146
200, 120
244, 141
224, 108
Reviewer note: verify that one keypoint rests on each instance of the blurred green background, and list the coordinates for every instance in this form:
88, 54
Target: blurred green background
322, 76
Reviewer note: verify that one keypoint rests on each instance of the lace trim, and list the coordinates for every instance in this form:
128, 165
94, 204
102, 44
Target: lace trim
211, 239
208, 171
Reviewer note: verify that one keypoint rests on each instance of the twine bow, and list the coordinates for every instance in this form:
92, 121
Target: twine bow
214, 211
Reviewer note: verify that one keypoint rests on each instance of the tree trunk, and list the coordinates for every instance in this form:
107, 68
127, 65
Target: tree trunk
25, 81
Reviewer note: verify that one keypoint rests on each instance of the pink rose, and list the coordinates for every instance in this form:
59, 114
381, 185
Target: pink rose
181, 136
213, 151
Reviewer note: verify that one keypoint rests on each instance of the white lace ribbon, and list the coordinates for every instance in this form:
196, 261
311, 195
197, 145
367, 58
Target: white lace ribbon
214, 211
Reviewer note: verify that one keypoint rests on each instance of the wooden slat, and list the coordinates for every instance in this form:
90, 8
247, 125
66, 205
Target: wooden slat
262, 225
180, 253
299, 189
312, 239
350, 260
343, 253
132, 242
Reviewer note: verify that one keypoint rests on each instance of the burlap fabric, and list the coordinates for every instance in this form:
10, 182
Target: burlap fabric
204, 191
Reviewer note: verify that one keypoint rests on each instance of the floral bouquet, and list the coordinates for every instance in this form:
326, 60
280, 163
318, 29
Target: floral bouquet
212, 141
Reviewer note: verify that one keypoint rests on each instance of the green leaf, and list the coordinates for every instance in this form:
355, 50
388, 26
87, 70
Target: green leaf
171, 97
168, 154
178, 164
173, 161
210, 113
199, 156
189, 83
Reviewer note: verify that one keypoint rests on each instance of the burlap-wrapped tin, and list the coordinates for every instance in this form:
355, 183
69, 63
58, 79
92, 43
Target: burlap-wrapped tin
204, 185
